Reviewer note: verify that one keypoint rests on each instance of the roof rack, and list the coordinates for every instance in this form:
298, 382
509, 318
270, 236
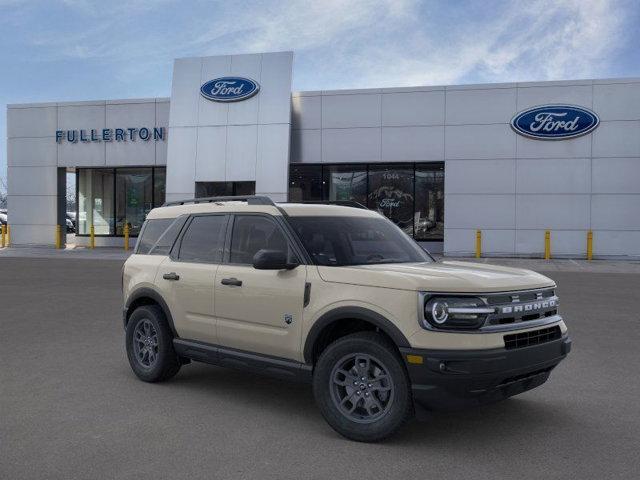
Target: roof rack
343, 203
250, 199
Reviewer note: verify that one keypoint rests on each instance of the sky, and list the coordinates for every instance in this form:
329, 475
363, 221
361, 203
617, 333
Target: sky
88, 50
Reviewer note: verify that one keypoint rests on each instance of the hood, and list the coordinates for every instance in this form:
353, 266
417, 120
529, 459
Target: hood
447, 276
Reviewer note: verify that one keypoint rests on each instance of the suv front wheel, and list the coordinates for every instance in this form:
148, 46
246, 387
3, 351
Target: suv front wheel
362, 388
150, 345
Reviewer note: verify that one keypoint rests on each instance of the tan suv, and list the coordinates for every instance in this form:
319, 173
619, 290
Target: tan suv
337, 296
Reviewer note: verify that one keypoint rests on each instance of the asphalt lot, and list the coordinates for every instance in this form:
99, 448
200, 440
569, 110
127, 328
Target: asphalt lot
71, 408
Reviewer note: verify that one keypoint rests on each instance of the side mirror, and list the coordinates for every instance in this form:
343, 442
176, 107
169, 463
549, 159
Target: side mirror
272, 260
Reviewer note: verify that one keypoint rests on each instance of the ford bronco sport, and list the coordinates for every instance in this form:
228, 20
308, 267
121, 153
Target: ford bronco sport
337, 296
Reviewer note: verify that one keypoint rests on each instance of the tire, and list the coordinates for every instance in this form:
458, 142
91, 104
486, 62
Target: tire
384, 403
152, 357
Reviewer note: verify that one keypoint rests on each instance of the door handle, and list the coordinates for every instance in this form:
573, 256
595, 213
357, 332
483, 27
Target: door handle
233, 282
171, 276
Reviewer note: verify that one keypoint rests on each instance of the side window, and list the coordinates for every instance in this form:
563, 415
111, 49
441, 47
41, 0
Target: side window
168, 238
252, 233
203, 241
151, 232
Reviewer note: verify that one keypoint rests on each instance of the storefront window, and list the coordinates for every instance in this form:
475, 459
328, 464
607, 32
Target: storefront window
134, 198
429, 211
391, 193
409, 194
159, 186
95, 201
345, 182
224, 189
305, 183
108, 198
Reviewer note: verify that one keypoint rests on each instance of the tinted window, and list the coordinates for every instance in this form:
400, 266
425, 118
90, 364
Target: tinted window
168, 238
305, 183
224, 189
204, 239
159, 186
252, 233
152, 231
342, 241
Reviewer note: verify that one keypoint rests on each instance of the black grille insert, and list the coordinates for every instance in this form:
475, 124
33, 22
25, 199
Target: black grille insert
534, 337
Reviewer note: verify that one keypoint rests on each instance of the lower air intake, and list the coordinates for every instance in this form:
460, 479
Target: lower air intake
534, 337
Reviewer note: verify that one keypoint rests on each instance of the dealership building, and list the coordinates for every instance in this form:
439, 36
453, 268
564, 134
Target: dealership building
512, 160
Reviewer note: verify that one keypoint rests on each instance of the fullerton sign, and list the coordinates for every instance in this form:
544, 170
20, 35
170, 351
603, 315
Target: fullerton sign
555, 122
110, 135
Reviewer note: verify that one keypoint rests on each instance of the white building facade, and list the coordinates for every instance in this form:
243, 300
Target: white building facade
512, 160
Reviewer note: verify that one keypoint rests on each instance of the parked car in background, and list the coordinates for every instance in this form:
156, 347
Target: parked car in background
71, 222
3, 217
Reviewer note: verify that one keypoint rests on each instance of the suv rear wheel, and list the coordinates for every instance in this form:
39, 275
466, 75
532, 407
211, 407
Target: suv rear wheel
150, 345
362, 388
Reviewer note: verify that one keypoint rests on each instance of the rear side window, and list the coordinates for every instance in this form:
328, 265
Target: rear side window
203, 241
168, 238
151, 232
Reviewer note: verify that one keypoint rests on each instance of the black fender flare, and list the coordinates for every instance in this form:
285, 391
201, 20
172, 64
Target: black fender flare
146, 292
357, 313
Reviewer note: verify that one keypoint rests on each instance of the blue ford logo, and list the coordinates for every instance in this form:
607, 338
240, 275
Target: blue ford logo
229, 89
555, 122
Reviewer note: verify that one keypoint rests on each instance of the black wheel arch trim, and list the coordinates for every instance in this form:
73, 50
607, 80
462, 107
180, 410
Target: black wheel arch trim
146, 292
356, 313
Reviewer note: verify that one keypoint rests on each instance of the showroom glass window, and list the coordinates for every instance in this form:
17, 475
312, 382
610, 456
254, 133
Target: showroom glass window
305, 183
391, 193
159, 186
109, 198
225, 189
429, 211
410, 194
345, 182
134, 198
95, 201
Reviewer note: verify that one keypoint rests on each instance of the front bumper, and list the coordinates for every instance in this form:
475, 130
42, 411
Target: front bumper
453, 379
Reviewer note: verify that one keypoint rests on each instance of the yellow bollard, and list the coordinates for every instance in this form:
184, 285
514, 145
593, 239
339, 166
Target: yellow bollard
92, 237
589, 245
478, 243
58, 237
547, 244
3, 229
126, 237
8, 235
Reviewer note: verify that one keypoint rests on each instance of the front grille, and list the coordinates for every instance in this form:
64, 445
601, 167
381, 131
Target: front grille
534, 337
521, 306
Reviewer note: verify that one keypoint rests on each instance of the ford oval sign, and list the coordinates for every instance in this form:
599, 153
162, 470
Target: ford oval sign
555, 122
229, 89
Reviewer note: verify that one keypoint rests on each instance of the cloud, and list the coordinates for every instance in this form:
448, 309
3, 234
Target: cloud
361, 43
545, 40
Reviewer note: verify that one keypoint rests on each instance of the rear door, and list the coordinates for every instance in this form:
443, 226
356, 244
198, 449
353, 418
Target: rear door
187, 277
259, 310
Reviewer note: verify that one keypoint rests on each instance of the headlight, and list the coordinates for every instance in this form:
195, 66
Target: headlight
455, 312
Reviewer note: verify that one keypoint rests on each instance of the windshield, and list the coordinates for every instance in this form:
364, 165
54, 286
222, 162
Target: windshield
340, 241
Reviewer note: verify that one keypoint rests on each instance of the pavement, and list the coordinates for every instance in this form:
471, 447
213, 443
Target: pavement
70, 407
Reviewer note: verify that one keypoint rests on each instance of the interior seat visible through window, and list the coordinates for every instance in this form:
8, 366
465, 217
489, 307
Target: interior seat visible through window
252, 233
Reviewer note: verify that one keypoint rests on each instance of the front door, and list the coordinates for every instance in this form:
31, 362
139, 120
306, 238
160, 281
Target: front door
187, 277
259, 310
